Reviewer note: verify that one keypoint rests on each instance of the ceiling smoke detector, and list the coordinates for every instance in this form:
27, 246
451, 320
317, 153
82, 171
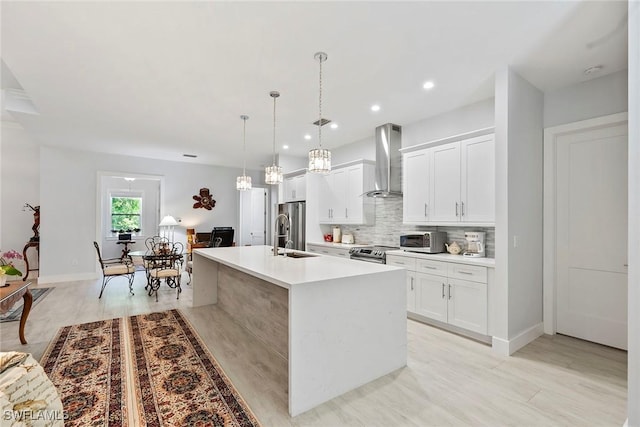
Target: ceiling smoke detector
593, 70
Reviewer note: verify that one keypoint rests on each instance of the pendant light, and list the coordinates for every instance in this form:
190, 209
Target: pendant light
320, 158
273, 173
244, 182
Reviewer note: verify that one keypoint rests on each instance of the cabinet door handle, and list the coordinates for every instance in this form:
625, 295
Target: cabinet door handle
294, 194
456, 208
412, 283
346, 213
425, 210
462, 208
465, 272
430, 268
449, 291
443, 291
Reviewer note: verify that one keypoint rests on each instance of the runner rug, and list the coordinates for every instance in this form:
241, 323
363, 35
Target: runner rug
145, 370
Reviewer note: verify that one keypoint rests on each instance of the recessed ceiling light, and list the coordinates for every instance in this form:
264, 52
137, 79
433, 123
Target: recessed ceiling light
428, 85
593, 70
375, 107
285, 147
307, 137
333, 126
129, 179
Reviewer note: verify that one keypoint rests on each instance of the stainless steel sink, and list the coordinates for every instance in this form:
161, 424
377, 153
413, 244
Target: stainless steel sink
298, 255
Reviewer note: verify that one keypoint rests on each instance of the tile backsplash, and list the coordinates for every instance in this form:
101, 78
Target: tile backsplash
388, 227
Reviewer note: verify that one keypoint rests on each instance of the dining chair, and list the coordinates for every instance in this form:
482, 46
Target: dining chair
217, 242
165, 263
115, 267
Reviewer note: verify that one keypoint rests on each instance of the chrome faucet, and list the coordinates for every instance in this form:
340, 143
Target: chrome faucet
276, 236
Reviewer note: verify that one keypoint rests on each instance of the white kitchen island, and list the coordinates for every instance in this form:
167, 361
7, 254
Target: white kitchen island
339, 323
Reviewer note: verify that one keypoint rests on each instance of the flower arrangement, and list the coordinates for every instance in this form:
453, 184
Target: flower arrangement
6, 267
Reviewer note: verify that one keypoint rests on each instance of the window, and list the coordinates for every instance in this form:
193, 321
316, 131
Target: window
126, 213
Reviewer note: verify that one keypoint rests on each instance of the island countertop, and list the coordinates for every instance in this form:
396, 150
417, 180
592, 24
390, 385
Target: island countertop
283, 271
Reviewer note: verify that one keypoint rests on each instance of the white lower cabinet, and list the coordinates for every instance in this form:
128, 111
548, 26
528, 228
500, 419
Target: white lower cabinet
411, 291
430, 299
467, 305
451, 293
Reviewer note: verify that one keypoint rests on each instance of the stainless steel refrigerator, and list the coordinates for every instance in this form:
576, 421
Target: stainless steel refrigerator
296, 213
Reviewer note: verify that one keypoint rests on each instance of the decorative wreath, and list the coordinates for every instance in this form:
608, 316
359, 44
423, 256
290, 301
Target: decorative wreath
204, 200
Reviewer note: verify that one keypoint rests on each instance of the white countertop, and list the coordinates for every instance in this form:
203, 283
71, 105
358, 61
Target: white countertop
460, 259
259, 261
338, 245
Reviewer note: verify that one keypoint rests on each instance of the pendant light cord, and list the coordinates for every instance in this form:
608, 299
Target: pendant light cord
244, 145
320, 59
274, 129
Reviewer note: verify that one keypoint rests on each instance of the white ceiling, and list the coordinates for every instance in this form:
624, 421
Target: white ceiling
159, 79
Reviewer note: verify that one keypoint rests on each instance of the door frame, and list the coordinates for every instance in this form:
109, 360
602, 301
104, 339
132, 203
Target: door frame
101, 175
549, 268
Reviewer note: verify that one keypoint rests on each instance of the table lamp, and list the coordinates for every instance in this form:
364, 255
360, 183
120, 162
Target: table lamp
169, 222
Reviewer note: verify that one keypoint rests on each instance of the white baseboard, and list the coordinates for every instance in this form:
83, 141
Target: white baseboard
508, 347
67, 278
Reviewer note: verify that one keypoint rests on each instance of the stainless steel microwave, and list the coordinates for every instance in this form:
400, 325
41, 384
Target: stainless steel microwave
431, 242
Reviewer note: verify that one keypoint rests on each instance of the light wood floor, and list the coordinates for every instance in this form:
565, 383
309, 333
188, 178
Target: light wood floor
449, 380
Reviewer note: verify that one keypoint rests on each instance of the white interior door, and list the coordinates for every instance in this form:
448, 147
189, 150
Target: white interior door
591, 235
253, 216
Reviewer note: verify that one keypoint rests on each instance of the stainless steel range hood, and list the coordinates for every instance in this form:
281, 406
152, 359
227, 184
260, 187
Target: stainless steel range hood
388, 162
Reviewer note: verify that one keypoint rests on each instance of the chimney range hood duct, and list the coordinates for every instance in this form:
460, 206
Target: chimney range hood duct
388, 162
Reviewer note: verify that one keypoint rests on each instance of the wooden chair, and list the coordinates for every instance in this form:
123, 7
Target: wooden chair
189, 267
115, 267
165, 263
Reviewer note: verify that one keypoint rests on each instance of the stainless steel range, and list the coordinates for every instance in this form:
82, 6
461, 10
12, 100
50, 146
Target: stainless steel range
377, 254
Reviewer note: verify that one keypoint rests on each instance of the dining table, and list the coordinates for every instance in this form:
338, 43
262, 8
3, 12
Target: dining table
152, 258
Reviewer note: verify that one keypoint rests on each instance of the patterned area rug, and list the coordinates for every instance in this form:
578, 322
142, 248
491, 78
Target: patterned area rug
16, 311
146, 370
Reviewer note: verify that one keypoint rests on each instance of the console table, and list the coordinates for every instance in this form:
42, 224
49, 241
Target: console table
125, 250
30, 244
10, 294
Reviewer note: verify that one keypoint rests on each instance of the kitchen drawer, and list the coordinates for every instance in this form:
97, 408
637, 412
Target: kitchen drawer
325, 250
468, 272
437, 268
402, 261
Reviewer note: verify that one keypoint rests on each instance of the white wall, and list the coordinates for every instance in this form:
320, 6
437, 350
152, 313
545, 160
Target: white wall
291, 163
634, 218
594, 98
519, 136
68, 189
465, 119
362, 149
19, 184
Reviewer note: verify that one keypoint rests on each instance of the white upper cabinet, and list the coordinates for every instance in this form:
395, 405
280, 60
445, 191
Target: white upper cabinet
450, 183
415, 187
294, 188
445, 183
341, 195
478, 189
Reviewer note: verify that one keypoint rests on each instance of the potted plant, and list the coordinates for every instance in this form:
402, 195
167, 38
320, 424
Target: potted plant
6, 266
